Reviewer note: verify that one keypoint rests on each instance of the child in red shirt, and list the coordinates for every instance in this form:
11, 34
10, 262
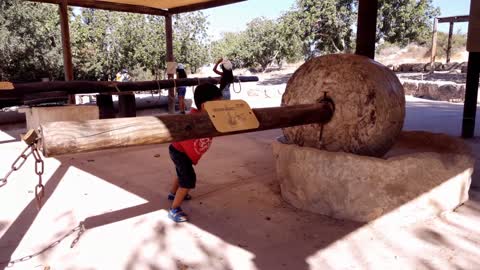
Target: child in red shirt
185, 154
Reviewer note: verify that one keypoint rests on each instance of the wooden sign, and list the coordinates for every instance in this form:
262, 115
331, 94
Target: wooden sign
6, 86
473, 43
231, 115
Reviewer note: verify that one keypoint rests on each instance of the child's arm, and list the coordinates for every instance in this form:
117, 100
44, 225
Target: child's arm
216, 66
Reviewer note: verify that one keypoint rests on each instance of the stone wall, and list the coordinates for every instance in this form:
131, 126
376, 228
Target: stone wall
426, 67
434, 90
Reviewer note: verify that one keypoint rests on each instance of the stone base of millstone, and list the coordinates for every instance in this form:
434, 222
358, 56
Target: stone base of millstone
424, 174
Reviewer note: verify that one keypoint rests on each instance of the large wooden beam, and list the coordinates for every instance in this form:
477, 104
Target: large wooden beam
59, 138
170, 58
367, 27
84, 87
67, 51
454, 19
200, 6
109, 6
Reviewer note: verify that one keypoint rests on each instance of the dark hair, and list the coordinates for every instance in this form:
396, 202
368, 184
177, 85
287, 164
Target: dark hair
227, 77
181, 73
206, 92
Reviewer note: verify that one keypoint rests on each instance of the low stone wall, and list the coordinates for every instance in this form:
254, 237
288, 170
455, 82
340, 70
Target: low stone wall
423, 175
443, 91
426, 67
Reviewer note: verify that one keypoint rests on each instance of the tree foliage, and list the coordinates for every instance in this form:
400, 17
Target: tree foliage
405, 21
103, 42
30, 42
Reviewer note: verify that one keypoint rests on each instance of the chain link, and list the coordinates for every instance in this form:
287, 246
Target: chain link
80, 229
17, 164
39, 168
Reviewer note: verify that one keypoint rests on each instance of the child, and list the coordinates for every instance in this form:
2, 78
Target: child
227, 76
185, 154
181, 90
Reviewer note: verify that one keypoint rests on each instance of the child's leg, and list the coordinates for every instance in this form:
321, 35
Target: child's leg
179, 196
181, 103
174, 188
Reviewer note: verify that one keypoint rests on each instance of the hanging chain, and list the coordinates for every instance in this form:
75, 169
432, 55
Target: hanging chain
80, 229
31, 139
17, 164
39, 168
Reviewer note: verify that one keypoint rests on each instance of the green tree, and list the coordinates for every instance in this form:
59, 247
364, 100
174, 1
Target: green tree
323, 26
231, 46
30, 42
405, 21
191, 39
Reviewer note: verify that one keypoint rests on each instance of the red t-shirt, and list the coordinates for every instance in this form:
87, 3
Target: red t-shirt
194, 148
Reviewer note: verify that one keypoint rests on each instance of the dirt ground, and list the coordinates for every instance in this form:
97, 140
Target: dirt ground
238, 218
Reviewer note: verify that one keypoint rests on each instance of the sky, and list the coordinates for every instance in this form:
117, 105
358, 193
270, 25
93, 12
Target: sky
235, 17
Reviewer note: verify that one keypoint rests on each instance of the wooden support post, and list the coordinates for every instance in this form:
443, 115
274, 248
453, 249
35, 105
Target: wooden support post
471, 94
127, 105
59, 138
170, 58
449, 46
434, 45
67, 51
367, 27
471, 89
105, 106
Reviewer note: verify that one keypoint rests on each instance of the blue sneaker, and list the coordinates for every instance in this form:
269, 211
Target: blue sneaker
177, 215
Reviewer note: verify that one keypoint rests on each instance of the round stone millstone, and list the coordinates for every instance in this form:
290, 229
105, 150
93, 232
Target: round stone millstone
369, 104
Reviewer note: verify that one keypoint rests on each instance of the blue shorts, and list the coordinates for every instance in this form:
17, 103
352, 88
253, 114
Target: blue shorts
184, 167
181, 91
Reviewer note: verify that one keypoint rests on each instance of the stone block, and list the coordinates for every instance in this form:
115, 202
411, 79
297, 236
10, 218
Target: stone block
424, 174
36, 116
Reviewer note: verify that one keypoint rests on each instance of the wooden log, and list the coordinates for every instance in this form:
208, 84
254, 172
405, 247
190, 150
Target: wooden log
60, 138
85, 87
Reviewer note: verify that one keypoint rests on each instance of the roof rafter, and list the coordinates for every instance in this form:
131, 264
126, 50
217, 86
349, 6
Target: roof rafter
113, 5
110, 6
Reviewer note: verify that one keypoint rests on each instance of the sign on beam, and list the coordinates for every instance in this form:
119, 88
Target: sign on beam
231, 115
6, 86
473, 44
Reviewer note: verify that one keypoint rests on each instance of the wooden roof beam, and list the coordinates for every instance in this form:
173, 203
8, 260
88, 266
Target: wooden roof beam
200, 6
109, 6
455, 19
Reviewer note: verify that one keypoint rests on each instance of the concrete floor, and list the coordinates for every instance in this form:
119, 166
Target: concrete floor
238, 219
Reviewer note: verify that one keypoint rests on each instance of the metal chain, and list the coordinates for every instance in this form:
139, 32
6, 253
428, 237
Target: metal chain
17, 164
80, 229
39, 169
